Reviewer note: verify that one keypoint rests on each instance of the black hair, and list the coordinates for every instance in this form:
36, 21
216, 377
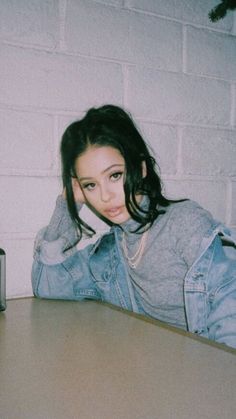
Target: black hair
110, 125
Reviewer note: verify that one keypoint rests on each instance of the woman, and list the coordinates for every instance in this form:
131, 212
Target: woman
162, 258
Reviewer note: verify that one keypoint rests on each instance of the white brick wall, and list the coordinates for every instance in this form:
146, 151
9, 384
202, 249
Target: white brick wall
161, 59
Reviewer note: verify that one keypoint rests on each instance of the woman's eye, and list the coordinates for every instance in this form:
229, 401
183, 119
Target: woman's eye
116, 176
89, 186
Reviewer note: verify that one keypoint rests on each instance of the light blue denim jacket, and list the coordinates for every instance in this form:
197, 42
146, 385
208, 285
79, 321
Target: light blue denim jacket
98, 271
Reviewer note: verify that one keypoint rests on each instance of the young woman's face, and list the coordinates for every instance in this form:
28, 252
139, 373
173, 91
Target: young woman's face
100, 172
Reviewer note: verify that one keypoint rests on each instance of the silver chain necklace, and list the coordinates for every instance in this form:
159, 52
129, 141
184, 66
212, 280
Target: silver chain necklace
134, 260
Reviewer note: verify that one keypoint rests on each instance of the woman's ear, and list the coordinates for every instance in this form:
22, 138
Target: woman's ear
144, 169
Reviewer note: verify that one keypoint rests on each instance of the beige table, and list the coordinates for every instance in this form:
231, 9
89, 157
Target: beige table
68, 360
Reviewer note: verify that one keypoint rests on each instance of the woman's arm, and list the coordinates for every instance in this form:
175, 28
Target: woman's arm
57, 241
59, 271
69, 280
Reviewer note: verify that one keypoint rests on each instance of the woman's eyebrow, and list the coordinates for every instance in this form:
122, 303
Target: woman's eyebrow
111, 167
104, 171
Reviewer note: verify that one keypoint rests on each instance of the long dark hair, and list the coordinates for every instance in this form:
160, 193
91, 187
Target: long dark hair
111, 126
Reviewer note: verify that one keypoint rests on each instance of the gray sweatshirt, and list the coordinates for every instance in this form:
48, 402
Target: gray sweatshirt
172, 246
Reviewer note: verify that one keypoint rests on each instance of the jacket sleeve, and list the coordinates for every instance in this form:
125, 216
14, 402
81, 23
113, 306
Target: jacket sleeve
221, 320
210, 288
59, 270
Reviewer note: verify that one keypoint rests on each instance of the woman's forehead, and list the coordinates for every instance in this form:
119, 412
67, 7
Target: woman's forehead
97, 160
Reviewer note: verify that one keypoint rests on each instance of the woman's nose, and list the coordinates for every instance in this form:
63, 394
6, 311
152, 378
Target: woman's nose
106, 194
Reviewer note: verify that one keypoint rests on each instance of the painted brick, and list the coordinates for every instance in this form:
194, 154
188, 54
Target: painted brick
109, 26
117, 3
155, 42
134, 37
163, 141
30, 21
233, 210
195, 12
26, 141
28, 203
209, 152
234, 106
207, 50
210, 194
44, 80
177, 97
19, 257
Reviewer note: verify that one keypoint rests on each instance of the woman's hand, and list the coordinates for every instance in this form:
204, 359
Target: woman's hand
77, 191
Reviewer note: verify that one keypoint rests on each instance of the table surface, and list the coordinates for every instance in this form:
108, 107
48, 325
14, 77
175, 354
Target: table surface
88, 360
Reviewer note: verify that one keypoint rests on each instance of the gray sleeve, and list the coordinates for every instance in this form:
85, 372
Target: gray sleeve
190, 223
58, 240
60, 222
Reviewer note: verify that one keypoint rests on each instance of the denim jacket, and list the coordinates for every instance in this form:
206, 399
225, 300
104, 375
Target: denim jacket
98, 271
210, 287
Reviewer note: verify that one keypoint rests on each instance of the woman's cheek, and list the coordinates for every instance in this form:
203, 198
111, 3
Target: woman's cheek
90, 198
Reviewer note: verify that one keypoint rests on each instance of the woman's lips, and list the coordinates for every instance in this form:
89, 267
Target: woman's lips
113, 212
